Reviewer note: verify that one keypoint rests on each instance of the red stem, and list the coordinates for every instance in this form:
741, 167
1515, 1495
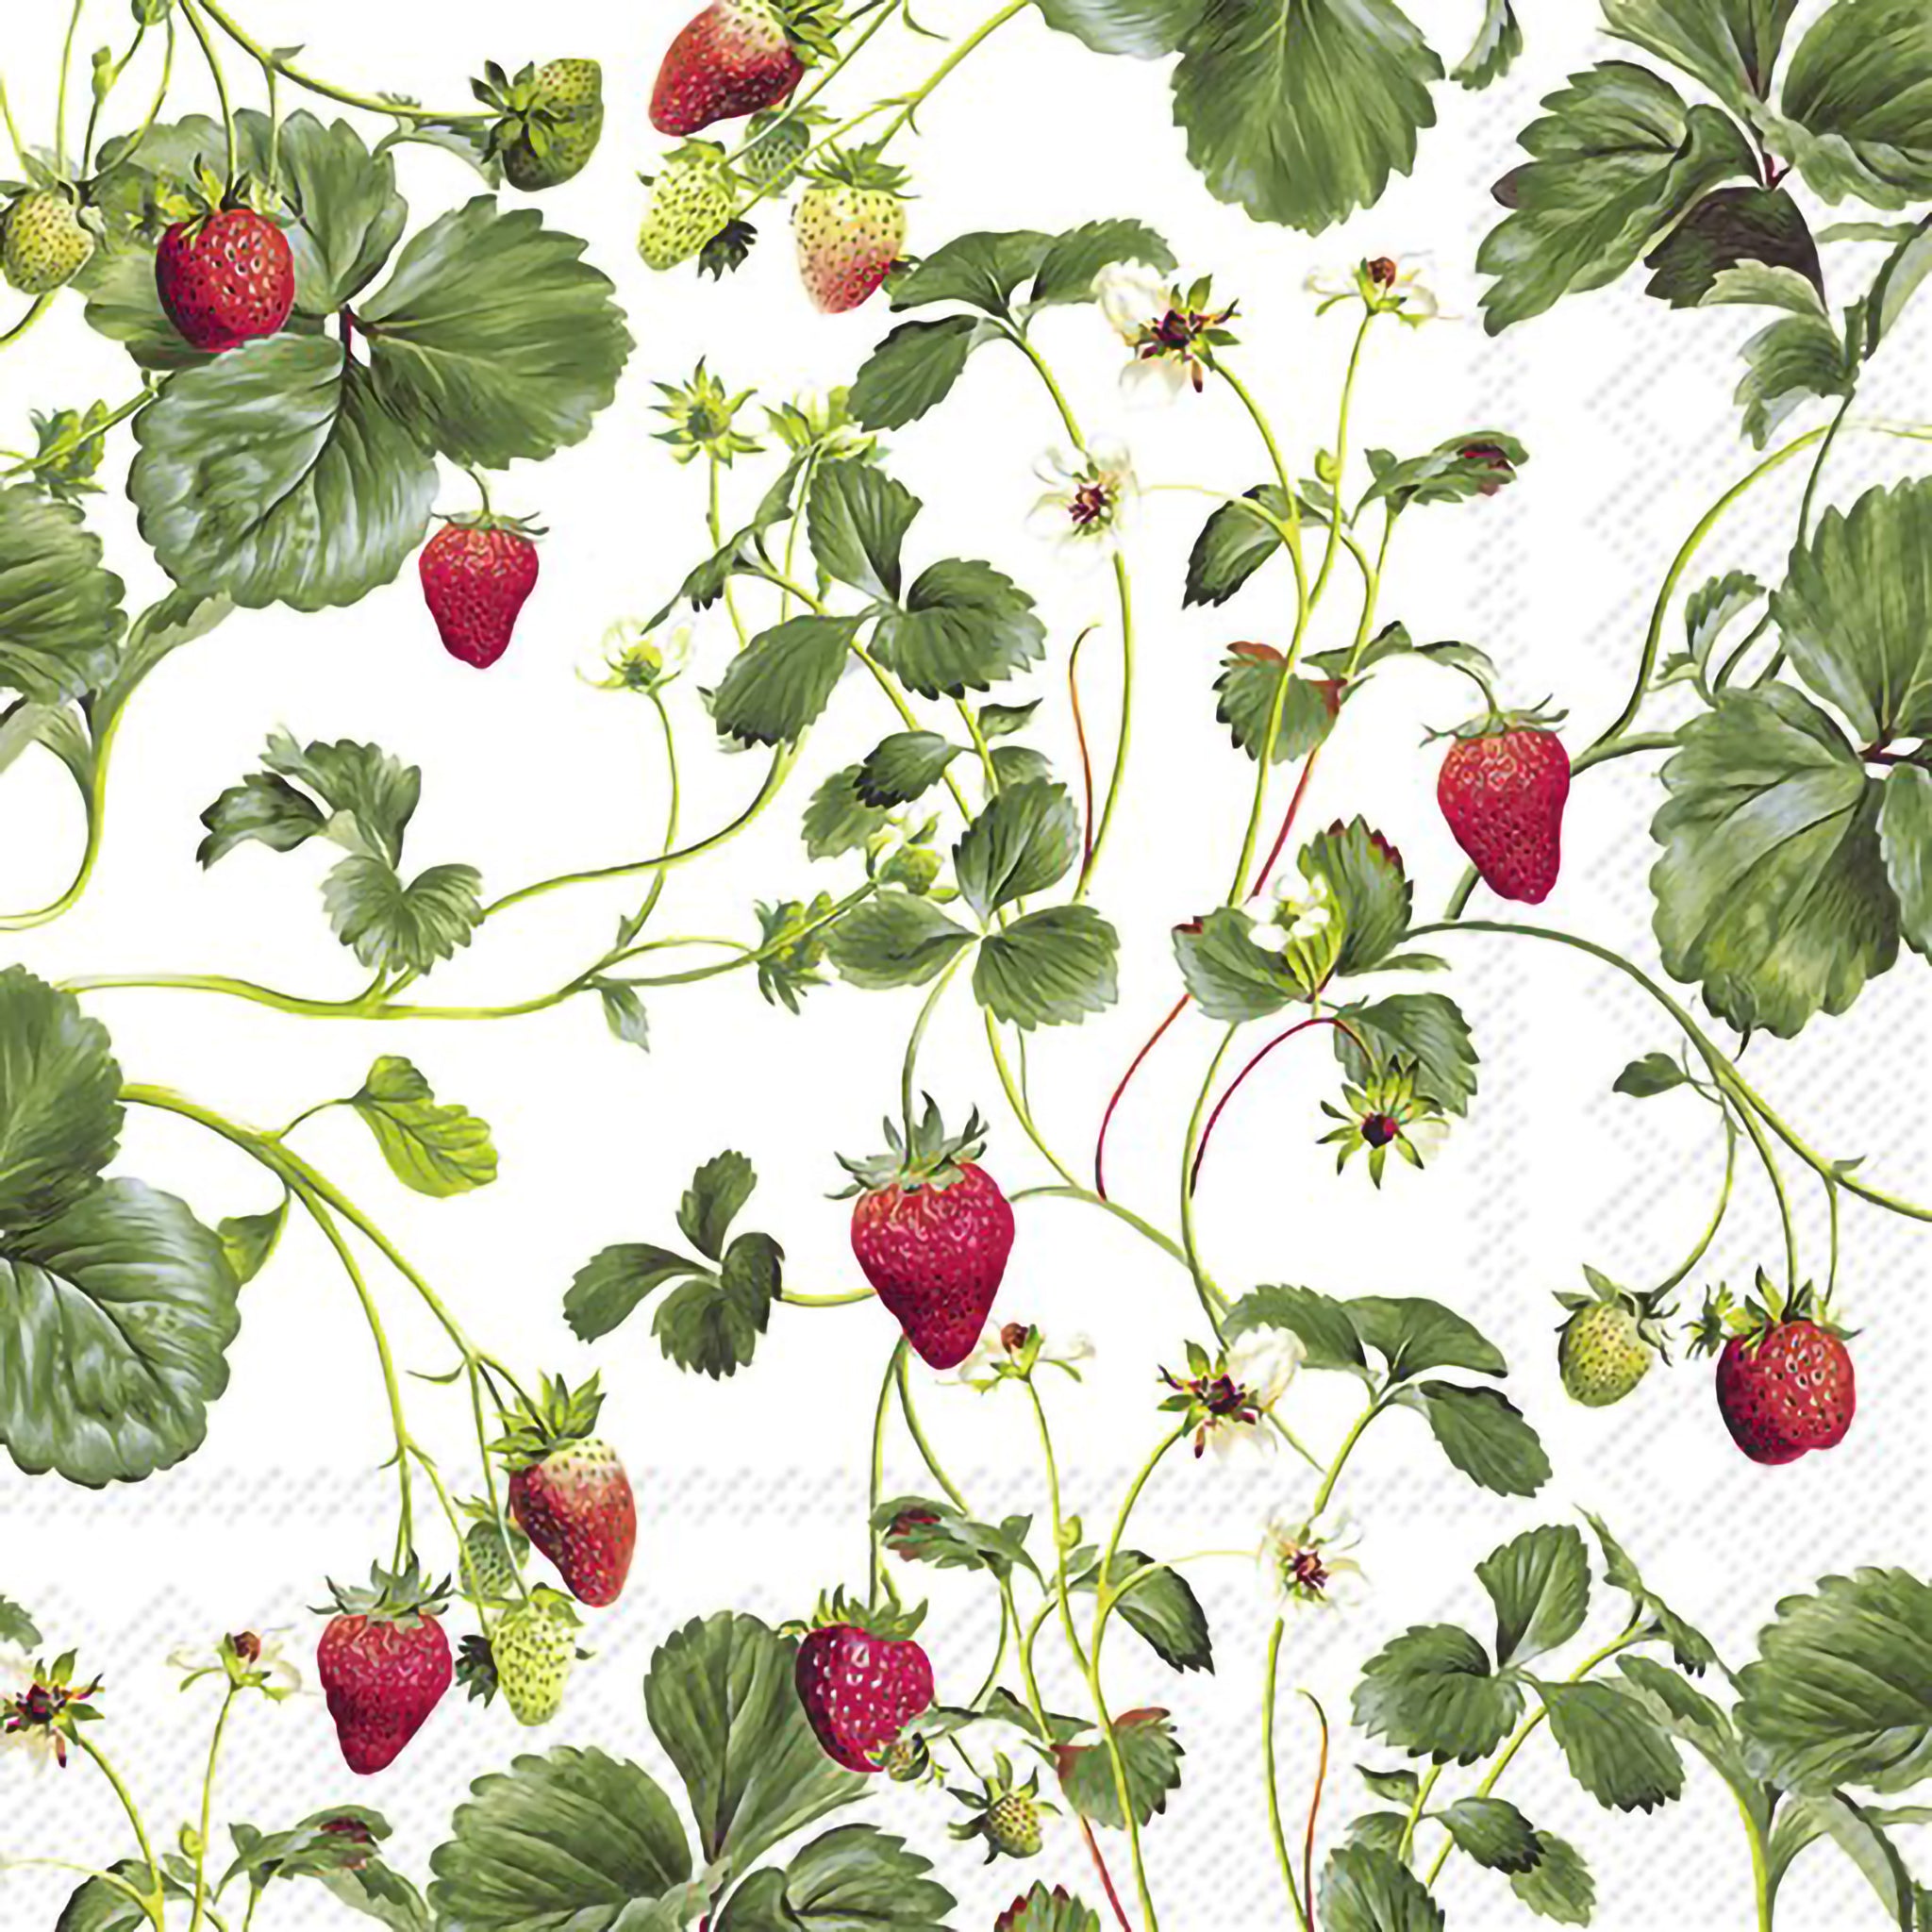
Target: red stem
1294, 806
1180, 1007
1314, 1809
1113, 1898
1234, 1086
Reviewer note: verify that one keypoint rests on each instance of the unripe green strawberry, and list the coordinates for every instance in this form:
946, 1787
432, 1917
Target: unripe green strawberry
1608, 1341
46, 244
552, 118
775, 144
534, 1647
692, 199
1012, 1825
488, 1568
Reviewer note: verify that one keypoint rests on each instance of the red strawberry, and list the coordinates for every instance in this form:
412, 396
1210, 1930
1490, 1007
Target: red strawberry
862, 1680
932, 1232
477, 573
737, 57
1501, 788
384, 1663
226, 278
849, 226
568, 1492
1785, 1384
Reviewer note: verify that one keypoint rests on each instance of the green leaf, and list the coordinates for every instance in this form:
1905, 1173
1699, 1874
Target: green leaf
894, 939
1431, 1693
1041, 1911
1655, 1073
1559, 1886
1730, 45
1540, 1583
1152, 1756
1364, 872
1231, 978
1691, 1648
1493, 1832
1073, 261
914, 369
1145, 29
1393, 1787
779, 683
1613, 1748
925, 1529
60, 1100
115, 1320
1477, 464
244, 460
963, 627
720, 1698
1234, 543
16, 1626
1615, 160
713, 1200
572, 1838
1301, 110
1249, 689
1426, 1027
96, 1908
902, 767
1905, 833
1364, 1890
1413, 1334
1856, 612
981, 269
839, 820
624, 1013
375, 1891
606, 1290
396, 928
1858, 103
1859, 1833
249, 1240
1161, 1607
858, 517
1484, 1434
368, 799
854, 1879
1905, 272
1772, 892
1026, 840
61, 616
1841, 1689
1732, 226
494, 341
1323, 1326
1494, 51
1048, 969
1687, 1713
1795, 360
437, 1150
712, 1324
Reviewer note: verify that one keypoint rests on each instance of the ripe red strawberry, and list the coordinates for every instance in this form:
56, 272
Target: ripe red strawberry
477, 574
932, 1232
1501, 788
735, 59
384, 1663
862, 1680
850, 226
568, 1491
1785, 1384
226, 278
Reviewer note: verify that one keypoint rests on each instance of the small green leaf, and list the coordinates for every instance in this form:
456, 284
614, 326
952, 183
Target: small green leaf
1655, 1073
1234, 543
1161, 1607
1366, 1890
1431, 1693
1393, 1787
1540, 1583
61, 616
1250, 688
249, 1240
713, 1200
1426, 1027
1026, 840
1796, 359
980, 269
624, 1013
837, 820
711, 1323
1048, 969
1152, 1756
395, 927
1493, 1832
1559, 1886
1613, 1748
1323, 1326
436, 1150
16, 1627
903, 767
779, 683
1364, 872
895, 938
923, 1529
1484, 1434
914, 369
1072, 260
857, 516
964, 627
1477, 464
609, 1287
1041, 1911
1495, 49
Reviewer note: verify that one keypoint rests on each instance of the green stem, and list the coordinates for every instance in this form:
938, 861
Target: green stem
100, 1761
852, 1295
1268, 1772
917, 98
1212, 1300
1716, 1221
1348, 380
874, 1570
208, 1806
60, 97
916, 1429
822, 78
192, 9
909, 1066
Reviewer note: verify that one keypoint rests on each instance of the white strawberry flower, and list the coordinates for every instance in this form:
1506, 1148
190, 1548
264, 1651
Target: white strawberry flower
1385, 285
249, 1659
1304, 1562
1009, 1352
1168, 330
1089, 499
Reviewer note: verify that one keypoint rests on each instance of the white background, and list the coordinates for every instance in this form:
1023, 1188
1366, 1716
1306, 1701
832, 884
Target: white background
752, 1493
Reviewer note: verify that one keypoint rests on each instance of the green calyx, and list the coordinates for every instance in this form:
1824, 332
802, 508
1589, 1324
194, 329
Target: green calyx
193, 204
550, 119
1495, 721
1724, 1319
1003, 1812
934, 1159
702, 414
403, 1597
560, 1418
1651, 1309
812, 28
889, 1621
862, 168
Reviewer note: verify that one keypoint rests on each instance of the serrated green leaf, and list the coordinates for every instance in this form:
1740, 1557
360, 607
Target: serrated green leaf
1323, 1326
60, 615
1613, 1748
1559, 1886
1431, 1693
1492, 1832
1367, 1890
1540, 1583
1426, 1027
610, 1287
895, 938
1731, 227
1497, 44
857, 518
1365, 873
1732, 46
1855, 109
903, 767
1026, 840
60, 1100
1048, 969
964, 627
981, 269
837, 820
1248, 694
713, 1200
393, 926
1233, 544
1485, 1435
913, 370
1152, 1757
776, 686
855, 1878
1161, 1607
1072, 260
437, 1150
711, 1323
